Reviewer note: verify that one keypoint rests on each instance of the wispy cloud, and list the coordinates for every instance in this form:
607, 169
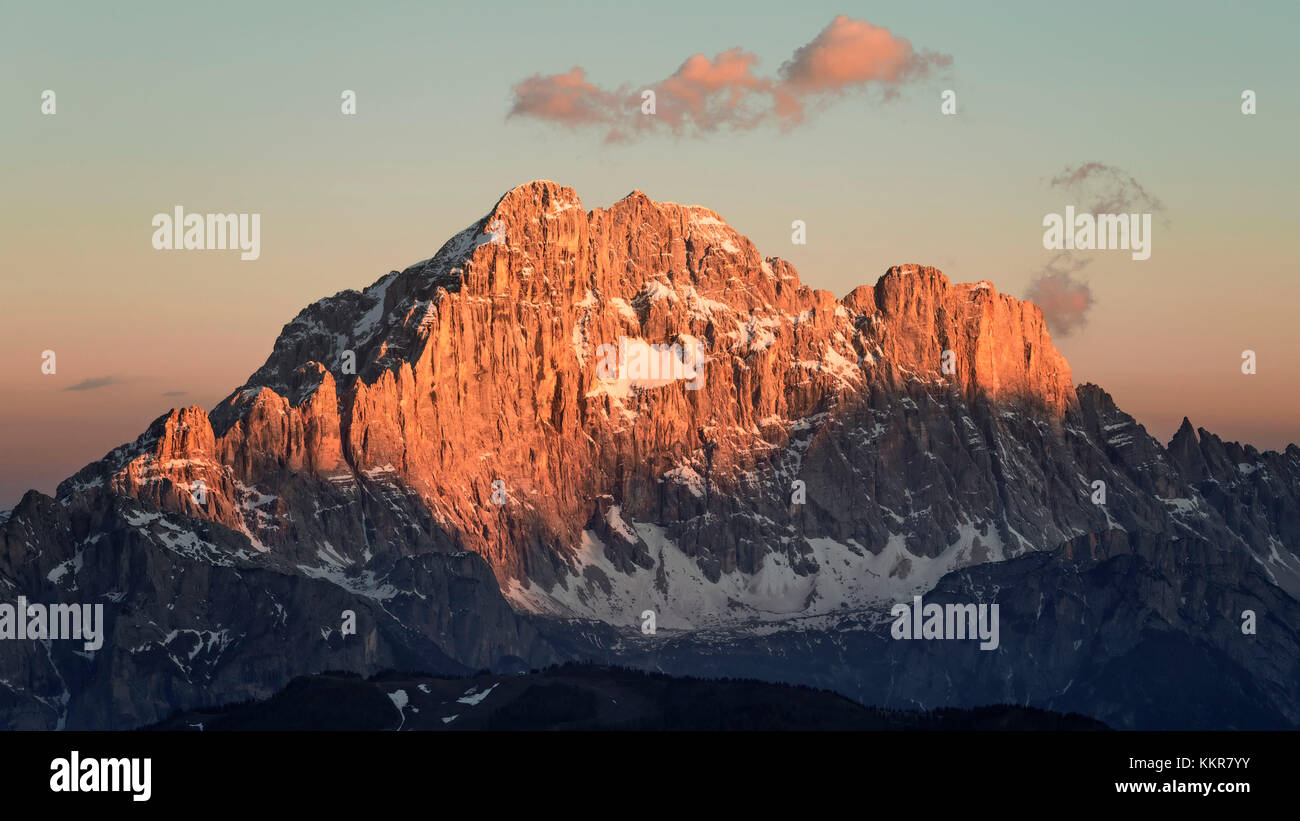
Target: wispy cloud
1105, 189
92, 384
706, 95
174, 393
1065, 300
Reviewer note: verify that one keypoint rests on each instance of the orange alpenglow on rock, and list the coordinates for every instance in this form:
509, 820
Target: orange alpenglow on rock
479, 366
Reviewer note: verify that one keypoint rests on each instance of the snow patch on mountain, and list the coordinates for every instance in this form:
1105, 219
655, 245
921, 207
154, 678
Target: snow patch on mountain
848, 577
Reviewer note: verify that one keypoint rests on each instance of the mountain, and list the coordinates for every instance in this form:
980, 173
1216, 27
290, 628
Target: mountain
504, 455
584, 697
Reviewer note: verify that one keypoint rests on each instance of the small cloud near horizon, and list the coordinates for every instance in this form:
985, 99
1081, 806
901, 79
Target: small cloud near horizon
706, 95
92, 384
174, 393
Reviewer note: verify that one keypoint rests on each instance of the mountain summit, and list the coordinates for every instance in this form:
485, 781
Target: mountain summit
469, 448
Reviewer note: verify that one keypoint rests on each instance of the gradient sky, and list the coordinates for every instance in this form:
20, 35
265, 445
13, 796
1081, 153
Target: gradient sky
236, 108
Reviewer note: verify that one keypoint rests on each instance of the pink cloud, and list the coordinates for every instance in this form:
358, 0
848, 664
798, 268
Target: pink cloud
566, 98
1065, 300
705, 95
849, 53
708, 94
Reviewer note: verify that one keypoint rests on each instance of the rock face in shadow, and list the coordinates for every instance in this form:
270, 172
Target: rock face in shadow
1141, 631
506, 454
194, 616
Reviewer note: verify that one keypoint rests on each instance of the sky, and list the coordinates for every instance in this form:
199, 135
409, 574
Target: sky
237, 109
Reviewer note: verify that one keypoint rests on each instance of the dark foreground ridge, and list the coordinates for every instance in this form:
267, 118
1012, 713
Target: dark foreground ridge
587, 697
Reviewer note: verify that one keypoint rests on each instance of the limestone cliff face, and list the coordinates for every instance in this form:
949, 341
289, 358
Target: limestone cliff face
478, 370
1001, 346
